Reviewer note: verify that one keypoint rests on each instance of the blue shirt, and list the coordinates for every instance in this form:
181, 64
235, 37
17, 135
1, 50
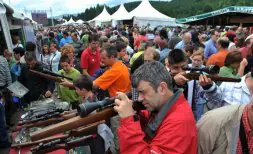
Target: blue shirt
180, 45
210, 48
64, 41
163, 54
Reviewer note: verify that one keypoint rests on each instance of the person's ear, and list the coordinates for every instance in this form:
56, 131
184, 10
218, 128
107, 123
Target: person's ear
162, 89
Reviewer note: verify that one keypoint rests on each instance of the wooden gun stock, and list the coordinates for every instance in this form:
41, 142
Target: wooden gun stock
83, 131
72, 124
195, 76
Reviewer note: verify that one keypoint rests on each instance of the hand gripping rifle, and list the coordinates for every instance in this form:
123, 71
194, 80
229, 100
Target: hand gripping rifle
83, 131
104, 110
212, 70
195, 76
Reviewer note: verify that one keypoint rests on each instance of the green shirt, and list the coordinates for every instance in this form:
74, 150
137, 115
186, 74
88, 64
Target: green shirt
85, 38
65, 93
228, 72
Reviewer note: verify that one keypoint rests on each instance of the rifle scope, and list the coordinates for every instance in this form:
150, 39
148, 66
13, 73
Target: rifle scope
212, 69
88, 107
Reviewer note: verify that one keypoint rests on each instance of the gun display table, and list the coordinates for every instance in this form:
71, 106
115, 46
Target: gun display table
36, 107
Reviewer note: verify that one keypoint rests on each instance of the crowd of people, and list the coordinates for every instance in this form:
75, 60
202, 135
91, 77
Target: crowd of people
180, 116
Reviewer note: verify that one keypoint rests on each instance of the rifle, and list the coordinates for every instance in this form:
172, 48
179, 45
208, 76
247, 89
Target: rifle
49, 77
55, 118
56, 75
83, 131
66, 144
195, 76
105, 112
41, 116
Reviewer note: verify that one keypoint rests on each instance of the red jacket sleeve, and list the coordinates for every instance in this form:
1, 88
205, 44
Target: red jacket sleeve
173, 137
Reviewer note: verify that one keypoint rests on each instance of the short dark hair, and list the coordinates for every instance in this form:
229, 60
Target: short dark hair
65, 58
29, 56
224, 43
111, 50
120, 45
189, 48
30, 46
65, 33
176, 56
83, 82
51, 34
154, 73
212, 31
19, 50
93, 37
232, 58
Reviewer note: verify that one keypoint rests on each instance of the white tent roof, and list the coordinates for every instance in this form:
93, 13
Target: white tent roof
104, 16
146, 10
71, 21
80, 21
121, 14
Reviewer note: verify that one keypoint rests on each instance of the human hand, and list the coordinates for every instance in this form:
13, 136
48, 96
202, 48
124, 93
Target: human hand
123, 105
48, 94
244, 62
66, 83
180, 79
205, 81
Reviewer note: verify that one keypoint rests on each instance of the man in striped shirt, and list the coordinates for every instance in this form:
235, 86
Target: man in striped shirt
5, 80
5, 75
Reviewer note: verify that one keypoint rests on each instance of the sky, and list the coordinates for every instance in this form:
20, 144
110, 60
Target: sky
60, 7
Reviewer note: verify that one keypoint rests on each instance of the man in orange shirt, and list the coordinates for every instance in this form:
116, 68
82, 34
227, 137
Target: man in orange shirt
117, 77
219, 58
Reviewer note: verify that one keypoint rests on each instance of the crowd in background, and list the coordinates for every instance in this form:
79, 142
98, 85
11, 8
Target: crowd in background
107, 57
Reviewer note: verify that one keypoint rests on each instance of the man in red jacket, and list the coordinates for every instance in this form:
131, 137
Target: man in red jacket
166, 127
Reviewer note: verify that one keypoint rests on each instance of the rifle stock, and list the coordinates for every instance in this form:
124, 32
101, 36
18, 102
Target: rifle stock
83, 131
195, 76
73, 123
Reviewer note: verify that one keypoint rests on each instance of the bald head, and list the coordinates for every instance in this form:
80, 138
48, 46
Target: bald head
187, 37
151, 55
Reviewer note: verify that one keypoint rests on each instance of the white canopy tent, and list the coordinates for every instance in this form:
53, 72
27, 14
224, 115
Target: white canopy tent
145, 14
103, 17
71, 21
80, 21
120, 14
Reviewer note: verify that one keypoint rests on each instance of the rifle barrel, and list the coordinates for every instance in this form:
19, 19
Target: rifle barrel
195, 76
46, 76
46, 122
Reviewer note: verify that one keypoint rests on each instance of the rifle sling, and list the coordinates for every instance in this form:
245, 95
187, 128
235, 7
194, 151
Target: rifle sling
152, 127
